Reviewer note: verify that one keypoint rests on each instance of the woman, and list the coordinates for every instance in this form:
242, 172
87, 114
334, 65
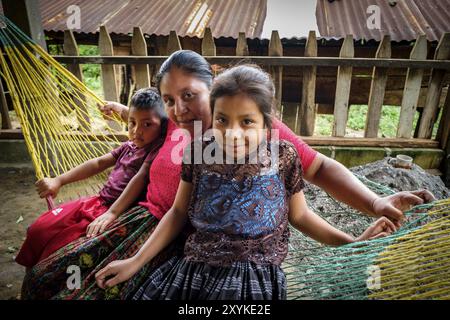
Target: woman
184, 82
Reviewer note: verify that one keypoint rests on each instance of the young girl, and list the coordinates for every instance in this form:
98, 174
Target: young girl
240, 212
56, 228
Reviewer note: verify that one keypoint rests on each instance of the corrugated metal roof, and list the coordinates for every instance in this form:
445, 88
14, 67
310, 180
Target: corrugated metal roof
402, 19
188, 17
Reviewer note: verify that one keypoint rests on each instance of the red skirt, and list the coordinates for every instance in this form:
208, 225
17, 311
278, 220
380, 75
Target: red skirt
58, 227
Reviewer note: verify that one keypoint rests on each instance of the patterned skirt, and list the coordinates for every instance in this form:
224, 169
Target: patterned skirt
69, 273
180, 279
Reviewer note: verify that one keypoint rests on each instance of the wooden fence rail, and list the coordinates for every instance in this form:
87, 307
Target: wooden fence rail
306, 113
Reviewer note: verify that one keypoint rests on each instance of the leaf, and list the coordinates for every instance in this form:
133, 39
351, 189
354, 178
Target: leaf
11, 249
19, 220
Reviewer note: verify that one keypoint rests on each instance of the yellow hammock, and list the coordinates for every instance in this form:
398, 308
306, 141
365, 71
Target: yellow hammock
61, 124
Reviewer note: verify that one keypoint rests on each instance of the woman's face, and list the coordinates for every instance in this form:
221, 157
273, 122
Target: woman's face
186, 99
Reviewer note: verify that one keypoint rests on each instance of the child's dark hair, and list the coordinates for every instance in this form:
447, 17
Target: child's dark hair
148, 99
249, 80
189, 62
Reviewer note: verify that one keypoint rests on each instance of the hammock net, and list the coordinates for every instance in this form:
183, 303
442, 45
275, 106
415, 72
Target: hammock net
60, 121
413, 263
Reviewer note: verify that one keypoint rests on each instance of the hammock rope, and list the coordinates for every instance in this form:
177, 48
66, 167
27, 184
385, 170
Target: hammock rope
46, 97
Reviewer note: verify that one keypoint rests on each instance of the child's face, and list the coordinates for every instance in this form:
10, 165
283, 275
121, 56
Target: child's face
144, 126
240, 123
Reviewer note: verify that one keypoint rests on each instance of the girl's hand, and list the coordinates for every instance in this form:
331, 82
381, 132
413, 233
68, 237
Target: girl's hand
380, 228
111, 107
119, 271
99, 225
393, 206
48, 187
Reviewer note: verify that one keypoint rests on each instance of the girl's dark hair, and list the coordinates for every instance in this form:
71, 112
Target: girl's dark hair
250, 80
149, 99
189, 62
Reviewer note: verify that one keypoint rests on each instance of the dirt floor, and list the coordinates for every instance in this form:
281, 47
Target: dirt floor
19, 206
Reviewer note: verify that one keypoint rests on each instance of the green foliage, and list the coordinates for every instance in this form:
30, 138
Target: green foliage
390, 116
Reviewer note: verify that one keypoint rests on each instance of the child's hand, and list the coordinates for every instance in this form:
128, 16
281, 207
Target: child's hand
380, 228
48, 187
120, 271
111, 107
99, 225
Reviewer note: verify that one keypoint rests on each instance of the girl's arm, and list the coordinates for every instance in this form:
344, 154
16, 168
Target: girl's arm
312, 225
128, 197
51, 186
342, 185
167, 230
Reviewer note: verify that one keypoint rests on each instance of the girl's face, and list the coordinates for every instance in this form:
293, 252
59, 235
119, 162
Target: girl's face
239, 122
144, 126
186, 99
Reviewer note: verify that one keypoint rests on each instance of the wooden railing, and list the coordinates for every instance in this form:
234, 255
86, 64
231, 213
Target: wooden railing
144, 67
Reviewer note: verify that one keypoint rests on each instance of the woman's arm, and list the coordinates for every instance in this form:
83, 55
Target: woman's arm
312, 225
51, 186
167, 230
128, 196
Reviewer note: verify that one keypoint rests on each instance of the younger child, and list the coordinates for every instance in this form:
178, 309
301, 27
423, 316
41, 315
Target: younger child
68, 222
240, 211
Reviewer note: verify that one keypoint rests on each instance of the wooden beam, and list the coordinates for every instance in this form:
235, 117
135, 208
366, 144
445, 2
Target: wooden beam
109, 80
276, 50
331, 62
208, 46
411, 91
312, 141
6, 121
70, 48
173, 44
308, 108
241, 46
139, 48
26, 15
377, 90
430, 111
443, 134
371, 142
344, 81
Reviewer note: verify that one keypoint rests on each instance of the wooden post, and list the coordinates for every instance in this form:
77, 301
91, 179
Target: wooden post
108, 73
411, 91
308, 108
70, 48
444, 126
241, 46
173, 44
26, 15
444, 139
431, 108
139, 48
377, 90
276, 49
344, 80
208, 46
6, 121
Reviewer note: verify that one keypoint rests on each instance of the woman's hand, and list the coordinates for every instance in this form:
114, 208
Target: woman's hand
99, 225
394, 205
111, 107
380, 228
119, 271
48, 187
